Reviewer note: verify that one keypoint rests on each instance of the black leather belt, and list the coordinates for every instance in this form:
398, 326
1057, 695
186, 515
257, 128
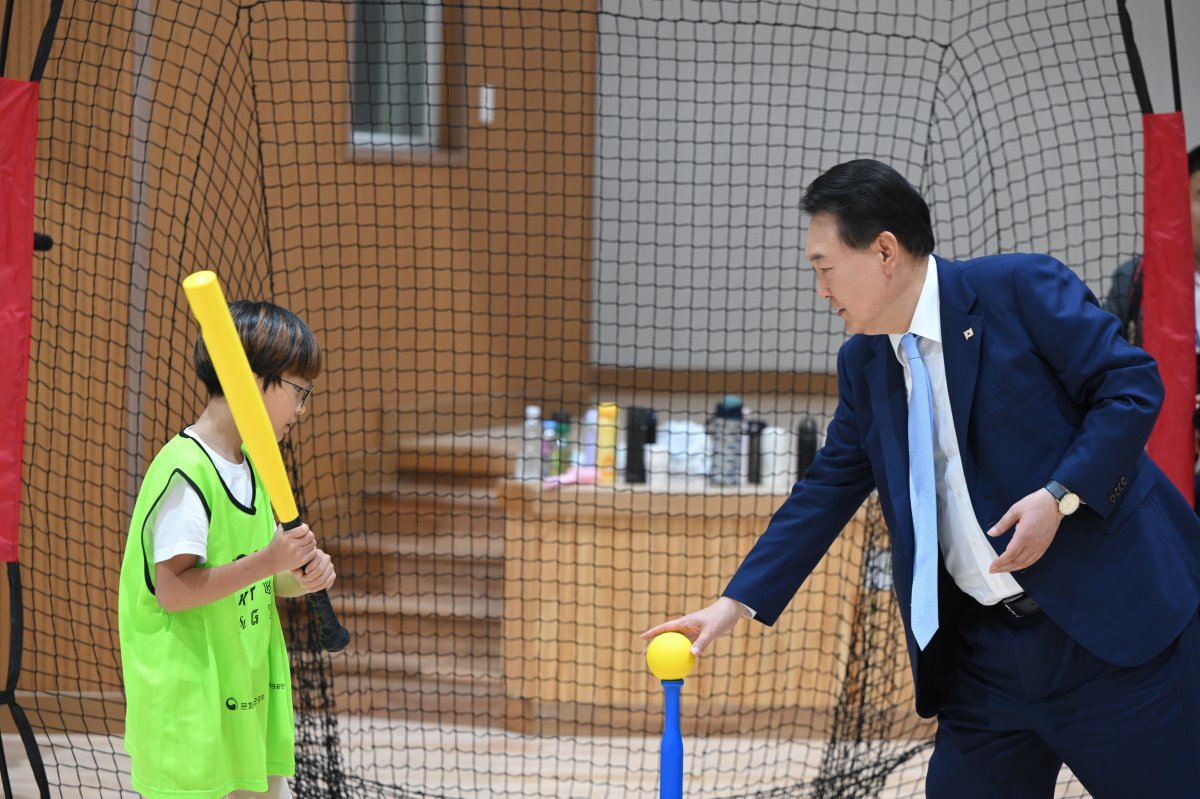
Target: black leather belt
1021, 606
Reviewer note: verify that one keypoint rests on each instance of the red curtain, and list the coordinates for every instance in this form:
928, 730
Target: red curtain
1168, 310
18, 155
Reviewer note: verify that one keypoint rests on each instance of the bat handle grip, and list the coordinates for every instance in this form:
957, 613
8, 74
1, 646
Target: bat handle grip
332, 635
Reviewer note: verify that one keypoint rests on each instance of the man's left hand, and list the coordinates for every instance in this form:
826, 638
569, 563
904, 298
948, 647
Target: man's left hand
1036, 518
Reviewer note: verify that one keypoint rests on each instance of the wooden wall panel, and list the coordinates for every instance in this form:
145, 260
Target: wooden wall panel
450, 283
29, 17
74, 511
433, 281
588, 567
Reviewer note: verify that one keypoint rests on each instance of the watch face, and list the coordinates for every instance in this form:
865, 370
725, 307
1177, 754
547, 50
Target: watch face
1068, 504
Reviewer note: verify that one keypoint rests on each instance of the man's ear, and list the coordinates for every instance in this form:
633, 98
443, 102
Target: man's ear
887, 248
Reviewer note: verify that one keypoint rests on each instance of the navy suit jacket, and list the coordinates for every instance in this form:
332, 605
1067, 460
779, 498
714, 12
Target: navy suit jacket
1044, 388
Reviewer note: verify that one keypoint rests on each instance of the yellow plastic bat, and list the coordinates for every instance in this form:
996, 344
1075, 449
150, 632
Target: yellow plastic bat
245, 400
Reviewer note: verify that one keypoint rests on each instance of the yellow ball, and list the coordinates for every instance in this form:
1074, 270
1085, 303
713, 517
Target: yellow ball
670, 656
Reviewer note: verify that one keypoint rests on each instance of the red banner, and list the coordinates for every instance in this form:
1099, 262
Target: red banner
18, 158
1168, 310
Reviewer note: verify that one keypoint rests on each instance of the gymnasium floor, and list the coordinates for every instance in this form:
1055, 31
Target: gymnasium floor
476, 764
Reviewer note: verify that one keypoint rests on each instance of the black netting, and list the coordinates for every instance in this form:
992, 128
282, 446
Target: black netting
480, 207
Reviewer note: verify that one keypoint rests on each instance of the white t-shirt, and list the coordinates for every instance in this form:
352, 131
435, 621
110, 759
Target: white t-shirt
180, 523
277, 788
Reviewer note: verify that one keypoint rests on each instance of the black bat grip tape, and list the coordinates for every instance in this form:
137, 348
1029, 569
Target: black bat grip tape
333, 636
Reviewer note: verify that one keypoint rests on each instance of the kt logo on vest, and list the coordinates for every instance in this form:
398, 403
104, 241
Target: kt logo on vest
232, 704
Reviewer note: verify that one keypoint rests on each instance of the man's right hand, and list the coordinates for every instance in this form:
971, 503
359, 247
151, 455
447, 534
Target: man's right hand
703, 626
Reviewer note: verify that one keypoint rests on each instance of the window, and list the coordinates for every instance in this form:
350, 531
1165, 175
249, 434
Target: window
396, 72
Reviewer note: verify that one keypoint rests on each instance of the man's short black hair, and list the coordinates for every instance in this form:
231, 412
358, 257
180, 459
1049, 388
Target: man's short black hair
277, 343
1194, 161
868, 197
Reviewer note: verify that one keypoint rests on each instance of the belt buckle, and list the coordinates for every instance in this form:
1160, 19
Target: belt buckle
1012, 600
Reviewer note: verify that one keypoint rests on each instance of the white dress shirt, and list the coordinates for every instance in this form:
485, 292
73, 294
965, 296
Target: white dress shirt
965, 547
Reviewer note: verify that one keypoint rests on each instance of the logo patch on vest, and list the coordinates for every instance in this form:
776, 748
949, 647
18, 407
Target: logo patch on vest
232, 704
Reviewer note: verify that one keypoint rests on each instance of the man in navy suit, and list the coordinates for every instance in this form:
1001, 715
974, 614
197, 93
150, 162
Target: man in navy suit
1048, 574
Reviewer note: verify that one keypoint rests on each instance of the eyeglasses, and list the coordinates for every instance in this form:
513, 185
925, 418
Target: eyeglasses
303, 391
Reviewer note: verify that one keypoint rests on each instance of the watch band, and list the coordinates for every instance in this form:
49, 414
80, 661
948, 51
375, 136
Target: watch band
1068, 501
1057, 489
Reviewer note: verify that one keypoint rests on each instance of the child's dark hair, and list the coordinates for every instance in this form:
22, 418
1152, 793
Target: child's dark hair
277, 342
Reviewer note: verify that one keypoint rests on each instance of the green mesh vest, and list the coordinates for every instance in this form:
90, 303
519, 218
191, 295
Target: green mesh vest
208, 690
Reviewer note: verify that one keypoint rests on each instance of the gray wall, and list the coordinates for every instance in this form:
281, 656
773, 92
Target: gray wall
1017, 121
1150, 31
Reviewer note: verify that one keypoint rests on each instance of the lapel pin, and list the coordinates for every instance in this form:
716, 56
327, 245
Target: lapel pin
968, 333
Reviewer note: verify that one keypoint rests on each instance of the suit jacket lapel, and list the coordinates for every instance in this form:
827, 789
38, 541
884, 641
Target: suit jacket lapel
962, 342
889, 405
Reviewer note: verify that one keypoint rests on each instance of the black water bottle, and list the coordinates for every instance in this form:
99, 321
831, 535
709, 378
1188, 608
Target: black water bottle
754, 429
806, 441
641, 428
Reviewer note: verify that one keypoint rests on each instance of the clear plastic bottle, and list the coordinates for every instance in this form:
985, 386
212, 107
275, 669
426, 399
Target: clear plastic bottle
779, 459
588, 425
529, 464
549, 448
725, 441
562, 443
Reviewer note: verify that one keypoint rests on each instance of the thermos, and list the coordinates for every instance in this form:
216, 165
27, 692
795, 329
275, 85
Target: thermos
754, 430
641, 428
806, 445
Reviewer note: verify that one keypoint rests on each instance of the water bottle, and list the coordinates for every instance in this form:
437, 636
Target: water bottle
725, 441
588, 425
549, 448
754, 435
606, 444
744, 455
529, 464
806, 441
641, 428
562, 443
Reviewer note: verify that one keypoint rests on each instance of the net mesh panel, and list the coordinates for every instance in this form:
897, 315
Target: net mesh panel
479, 207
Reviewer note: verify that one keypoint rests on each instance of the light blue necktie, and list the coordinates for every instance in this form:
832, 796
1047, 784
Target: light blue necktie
922, 493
